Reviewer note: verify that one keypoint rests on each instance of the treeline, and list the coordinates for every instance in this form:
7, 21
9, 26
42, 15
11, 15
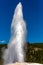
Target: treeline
34, 52
2, 46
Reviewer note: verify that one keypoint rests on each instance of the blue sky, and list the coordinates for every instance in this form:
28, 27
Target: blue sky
33, 15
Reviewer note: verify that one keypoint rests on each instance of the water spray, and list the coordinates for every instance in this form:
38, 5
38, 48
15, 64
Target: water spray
14, 52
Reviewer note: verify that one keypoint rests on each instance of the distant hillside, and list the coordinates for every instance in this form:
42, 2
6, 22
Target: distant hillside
39, 45
34, 52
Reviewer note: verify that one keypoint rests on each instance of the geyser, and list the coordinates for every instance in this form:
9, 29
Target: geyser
14, 52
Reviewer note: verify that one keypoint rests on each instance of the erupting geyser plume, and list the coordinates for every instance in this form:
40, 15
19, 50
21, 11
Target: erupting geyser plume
15, 53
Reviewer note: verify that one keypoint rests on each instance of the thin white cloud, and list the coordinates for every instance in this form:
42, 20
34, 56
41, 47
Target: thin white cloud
2, 41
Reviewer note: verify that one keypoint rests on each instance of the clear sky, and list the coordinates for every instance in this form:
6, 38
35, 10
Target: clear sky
33, 15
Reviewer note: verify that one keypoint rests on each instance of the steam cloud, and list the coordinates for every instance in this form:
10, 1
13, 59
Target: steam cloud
15, 53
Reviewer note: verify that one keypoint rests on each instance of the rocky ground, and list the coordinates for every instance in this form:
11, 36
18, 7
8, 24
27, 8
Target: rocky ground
25, 64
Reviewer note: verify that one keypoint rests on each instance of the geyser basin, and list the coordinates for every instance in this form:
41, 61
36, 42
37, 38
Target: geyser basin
25, 64
15, 52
